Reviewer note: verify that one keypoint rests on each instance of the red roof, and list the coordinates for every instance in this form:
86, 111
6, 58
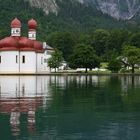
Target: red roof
32, 24
16, 23
25, 43
20, 43
38, 46
8, 42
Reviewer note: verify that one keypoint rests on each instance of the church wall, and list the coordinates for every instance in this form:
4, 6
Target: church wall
8, 62
29, 66
42, 62
39, 62
12, 62
46, 57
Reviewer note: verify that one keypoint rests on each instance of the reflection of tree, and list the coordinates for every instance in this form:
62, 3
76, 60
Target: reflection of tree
103, 93
128, 82
93, 89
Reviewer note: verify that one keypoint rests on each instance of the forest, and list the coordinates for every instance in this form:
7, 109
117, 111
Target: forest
118, 48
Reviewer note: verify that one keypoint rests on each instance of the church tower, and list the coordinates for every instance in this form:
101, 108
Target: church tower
32, 25
16, 27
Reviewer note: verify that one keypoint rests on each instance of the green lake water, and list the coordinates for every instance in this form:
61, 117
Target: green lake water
69, 108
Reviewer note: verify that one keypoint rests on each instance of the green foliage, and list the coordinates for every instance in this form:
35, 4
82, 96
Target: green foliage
116, 40
132, 56
135, 39
114, 65
56, 60
99, 40
64, 41
84, 57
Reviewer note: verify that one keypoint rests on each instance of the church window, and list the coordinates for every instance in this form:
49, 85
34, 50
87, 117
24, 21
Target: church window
17, 31
16, 58
41, 60
23, 59
45, 60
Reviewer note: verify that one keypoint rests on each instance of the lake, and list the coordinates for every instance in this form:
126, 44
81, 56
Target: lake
69, 107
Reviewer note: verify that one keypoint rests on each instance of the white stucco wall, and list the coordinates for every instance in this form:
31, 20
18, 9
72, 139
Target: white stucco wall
30, 62
9, 65
46, 57
8, 62
39, 62
34, 62
43, 62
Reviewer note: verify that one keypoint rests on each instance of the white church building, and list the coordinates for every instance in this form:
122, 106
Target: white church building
22, 55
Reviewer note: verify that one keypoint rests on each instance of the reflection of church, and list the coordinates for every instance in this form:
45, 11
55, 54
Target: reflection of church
22, 96
20, 54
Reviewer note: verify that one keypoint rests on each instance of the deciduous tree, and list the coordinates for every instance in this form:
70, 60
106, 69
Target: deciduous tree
131, 55
56, 60
84, 56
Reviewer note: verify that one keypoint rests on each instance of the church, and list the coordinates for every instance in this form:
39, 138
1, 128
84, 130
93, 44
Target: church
24, 55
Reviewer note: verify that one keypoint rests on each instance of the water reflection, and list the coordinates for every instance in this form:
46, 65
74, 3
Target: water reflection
129, 81
70, 107
22, 95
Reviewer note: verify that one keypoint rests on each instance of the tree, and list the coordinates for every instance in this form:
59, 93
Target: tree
115, 42
99, 40
84, 56
117, 38
114, 65
135, 39
64, 41
56, 60
131, 56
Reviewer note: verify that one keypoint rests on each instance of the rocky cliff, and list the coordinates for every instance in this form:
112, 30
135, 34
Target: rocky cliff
119, 9
46, 5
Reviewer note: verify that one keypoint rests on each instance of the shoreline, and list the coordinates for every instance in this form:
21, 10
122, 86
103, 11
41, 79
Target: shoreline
69, 74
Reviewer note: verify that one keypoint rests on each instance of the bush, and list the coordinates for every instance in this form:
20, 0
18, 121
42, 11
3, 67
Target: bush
114, 65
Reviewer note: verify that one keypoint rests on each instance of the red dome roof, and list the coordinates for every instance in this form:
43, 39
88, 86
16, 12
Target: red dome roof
38, 46
15, 23
32, 24
9, 42
25, 43
20, 43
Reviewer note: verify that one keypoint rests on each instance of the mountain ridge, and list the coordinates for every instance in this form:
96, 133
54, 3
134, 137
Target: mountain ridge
78, 16
118, 9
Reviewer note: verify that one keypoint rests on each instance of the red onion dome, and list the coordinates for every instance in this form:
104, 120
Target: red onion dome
16, 23
9, 42
24, 42
32, 24
38, 46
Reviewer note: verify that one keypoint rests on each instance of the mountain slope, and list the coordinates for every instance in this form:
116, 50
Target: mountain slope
119, 9
57, 15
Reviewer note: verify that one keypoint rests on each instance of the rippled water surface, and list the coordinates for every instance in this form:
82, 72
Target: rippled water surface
69, 108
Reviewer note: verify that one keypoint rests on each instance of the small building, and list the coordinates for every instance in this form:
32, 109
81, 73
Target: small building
23, 55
